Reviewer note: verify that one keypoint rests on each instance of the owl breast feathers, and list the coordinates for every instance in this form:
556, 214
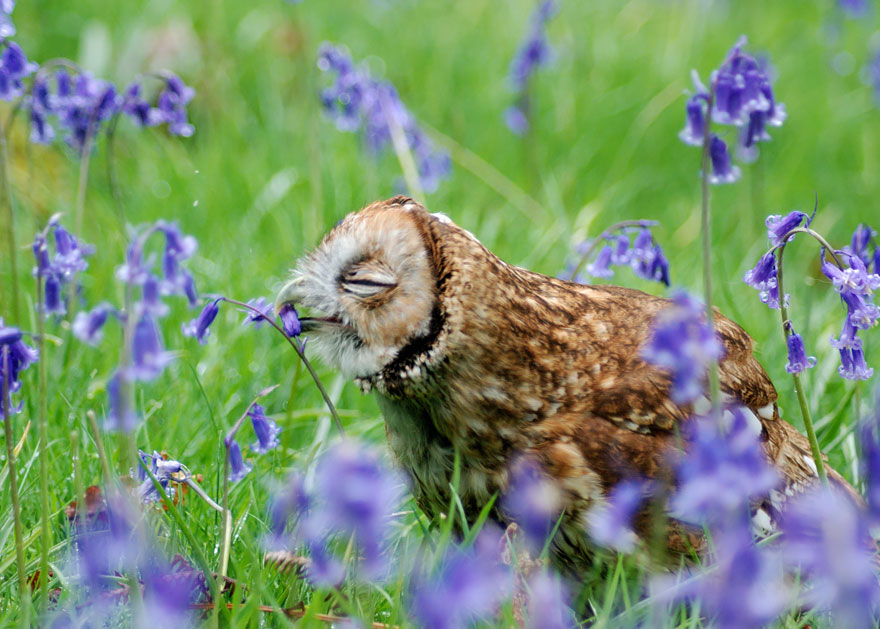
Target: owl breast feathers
467, 353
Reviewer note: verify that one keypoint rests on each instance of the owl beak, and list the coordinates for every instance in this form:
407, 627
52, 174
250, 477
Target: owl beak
289, 294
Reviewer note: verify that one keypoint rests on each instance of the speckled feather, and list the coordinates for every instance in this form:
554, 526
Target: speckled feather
467, 352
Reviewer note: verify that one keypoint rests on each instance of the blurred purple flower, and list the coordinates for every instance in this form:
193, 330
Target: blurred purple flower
682, 343
15, 356
199, 327
611, 524
265, 429
358, 101
69, 260
148, 354
170, 108
601, 266
89, 326
14, 66
723, 468
468, 585
289, 501
516, 120
7, 28
723, 171
290, 320
764, 279
695, 126
534, 51
798, 361
120, 416
54, 303
869, 439
854, 8
826, 536
238, 469
265, 308
548, 603
532, 500
645, 257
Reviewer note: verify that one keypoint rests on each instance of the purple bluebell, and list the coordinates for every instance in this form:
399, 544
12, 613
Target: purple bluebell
682, 343
358, 494
852, 281
290, 320
263, 306
516, 120
135, 270
69, 252
534, 51
533, 501
611, 524
621, 253
198, 327
869, 440
862, 239
238, 468
723, 170
54, 303
172, 106
764, 279
170, 590
15, 356
723, 468
647, 259
148, 354
120, 416
798, 361
165, 471
91, 103
695, 126
742, 587
7, 28
14, 66
854, 8
826, 536
853, 365
467, 586
600, 267
778, 225
151, 297
89, 326
58, 271
290, 501
548, 602
358, 101
265, 429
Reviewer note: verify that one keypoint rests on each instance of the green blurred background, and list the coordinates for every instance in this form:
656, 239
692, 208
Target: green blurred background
266, 174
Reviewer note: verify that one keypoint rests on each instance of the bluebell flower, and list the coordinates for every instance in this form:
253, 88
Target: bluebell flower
357, 495
695, 125
723, 171
862, 239
723, 468
61, 269
548, 602
148, 354
853, 365
854, 8
358, 101
467, 586
869, 441
89, 326
151, 298
798, 361
778, 225
265, 309
600, 267
532, 500
135, 270
54, 303
534, 51
14, 66
15, 356
120, 416
290, 320
611, 524
7, 28
764, 279
165, 470
647, 259
238, 468
516, 120
682, 343
289, 501
198, 327
265, 429
826, 536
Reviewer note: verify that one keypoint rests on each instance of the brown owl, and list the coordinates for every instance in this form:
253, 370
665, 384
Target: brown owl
467, 353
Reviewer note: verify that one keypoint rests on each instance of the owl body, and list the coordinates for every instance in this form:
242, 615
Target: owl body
466, 353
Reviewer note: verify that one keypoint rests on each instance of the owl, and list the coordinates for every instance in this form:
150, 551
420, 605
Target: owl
466, 353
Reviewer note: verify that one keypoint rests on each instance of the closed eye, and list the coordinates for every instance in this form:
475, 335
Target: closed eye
367, 279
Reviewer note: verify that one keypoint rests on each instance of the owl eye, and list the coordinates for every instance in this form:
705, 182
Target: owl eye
367, 280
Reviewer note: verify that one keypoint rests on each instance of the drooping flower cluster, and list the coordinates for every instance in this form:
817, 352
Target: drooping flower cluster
357, 101
146, 353
15, 356
739, 95
59, 271
533, 53
682, 343
353, 498
643, 255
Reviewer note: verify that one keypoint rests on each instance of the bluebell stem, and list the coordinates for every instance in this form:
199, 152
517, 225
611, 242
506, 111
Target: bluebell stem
683, 344
533, 53
358, 101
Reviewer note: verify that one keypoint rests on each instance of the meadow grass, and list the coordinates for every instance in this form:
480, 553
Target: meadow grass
266, 175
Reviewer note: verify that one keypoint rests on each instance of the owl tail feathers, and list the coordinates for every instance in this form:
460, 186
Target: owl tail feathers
790, 451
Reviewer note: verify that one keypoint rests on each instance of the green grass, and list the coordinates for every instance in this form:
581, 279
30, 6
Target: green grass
266, 175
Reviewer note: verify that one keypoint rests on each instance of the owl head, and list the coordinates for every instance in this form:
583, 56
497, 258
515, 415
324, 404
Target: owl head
369, 289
